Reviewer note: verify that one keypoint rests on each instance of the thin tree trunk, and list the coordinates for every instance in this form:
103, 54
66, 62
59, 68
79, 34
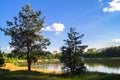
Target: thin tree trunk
29, 62
28, 59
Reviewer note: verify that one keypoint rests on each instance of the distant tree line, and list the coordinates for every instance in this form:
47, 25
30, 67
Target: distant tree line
105, 53
35, 56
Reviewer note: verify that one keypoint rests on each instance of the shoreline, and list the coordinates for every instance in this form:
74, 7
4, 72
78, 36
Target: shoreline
12, 67
55, 60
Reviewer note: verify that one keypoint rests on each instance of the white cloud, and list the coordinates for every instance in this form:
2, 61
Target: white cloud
8, 49
116, 40
114, 5
57, 27
100, 0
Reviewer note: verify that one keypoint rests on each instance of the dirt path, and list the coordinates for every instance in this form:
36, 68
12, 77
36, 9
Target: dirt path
13, 67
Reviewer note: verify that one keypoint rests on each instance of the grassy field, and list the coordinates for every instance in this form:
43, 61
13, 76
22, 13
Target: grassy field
34, 75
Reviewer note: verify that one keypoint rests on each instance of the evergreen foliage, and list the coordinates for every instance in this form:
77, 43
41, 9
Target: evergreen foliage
25, 33
71, 53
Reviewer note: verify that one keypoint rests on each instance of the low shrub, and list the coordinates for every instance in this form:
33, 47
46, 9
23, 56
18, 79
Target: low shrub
2, 62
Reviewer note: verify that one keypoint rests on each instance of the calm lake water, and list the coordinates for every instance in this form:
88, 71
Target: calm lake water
106, 66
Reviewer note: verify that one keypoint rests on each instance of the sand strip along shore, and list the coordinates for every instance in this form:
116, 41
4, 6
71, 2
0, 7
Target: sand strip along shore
13, 67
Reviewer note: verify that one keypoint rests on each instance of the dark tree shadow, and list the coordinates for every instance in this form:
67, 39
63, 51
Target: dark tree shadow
34, 75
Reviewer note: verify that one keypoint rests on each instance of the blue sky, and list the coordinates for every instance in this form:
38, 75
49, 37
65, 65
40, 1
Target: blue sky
98, 20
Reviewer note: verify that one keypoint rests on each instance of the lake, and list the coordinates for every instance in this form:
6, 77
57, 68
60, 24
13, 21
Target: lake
104, 65
101, 65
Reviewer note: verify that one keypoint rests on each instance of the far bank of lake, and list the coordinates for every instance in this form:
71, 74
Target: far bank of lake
93, 65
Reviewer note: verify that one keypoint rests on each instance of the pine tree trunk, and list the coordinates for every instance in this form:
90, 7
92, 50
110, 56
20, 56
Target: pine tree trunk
28, 59
29, 62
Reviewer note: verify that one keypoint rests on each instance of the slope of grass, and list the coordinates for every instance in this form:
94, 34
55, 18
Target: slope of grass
34, 75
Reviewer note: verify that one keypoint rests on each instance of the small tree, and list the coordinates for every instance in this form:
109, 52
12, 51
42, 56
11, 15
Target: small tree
25, 33
2, 61
71, 53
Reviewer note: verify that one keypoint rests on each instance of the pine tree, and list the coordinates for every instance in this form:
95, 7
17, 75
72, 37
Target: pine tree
25, 33
71, 53
2, 61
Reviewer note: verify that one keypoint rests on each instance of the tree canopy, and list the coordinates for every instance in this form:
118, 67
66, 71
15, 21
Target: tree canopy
25, 32
71, 53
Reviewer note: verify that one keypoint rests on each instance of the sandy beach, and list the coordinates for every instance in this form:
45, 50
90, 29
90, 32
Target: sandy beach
13, 67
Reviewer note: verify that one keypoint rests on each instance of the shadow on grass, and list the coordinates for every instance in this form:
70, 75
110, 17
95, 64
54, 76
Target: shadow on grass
34, 75
27, 75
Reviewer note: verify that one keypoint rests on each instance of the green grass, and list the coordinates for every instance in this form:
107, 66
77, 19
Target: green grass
34, 75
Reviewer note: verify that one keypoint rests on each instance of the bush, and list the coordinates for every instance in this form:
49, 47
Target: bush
2, 62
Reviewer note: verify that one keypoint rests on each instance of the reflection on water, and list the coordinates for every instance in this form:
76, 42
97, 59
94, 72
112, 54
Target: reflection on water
54, 67
102, 68
112, 63
106, 65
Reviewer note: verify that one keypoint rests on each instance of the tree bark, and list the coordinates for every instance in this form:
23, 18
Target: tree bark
28, 59
29, 62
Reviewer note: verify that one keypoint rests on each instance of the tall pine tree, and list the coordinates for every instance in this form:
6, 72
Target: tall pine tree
71, 53
25, 33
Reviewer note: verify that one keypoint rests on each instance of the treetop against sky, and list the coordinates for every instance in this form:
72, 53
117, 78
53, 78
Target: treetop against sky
98, 20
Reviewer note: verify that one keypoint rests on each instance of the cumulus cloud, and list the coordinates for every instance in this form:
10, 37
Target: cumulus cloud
116, 40
8, 49
114, 5
56, 27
